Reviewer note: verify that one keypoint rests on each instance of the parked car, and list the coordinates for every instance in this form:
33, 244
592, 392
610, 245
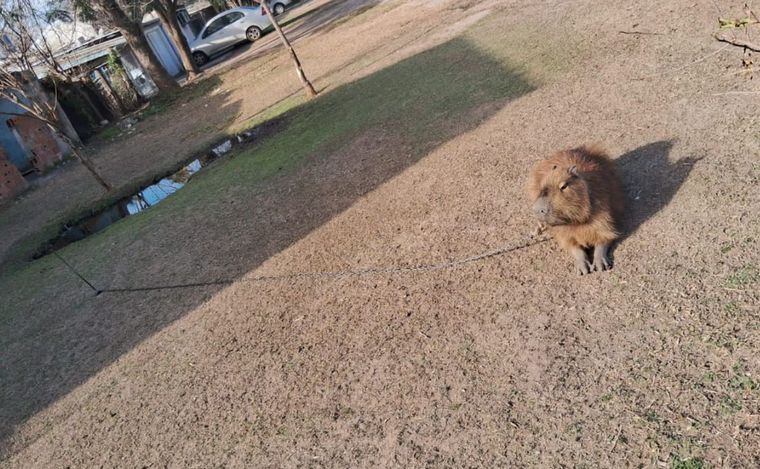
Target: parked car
232, 27
278, 6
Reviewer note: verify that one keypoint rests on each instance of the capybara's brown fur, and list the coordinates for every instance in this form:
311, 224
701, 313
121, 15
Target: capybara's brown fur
579, 196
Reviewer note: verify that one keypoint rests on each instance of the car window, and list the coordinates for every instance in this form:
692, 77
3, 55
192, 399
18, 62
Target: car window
215, 26
234, 16
220, 23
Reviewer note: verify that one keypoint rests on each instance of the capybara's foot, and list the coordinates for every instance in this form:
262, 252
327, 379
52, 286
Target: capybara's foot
539, 230
583, 267
601, 261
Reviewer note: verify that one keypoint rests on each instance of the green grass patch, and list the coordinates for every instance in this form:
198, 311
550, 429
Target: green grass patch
731, 308
729, 405
741, 380
742, 277
167, 100
276, 110
677, 462
109, 133
415, 99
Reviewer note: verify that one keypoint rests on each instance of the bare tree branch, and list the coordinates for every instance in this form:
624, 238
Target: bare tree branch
738, 42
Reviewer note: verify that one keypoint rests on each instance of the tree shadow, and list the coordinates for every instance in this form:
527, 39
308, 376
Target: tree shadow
650, 181
223, 225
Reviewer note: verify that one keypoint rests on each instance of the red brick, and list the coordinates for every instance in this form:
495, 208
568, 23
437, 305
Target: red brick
38, 139
11, 180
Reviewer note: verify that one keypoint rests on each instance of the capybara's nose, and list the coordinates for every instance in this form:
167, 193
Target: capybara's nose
540, 208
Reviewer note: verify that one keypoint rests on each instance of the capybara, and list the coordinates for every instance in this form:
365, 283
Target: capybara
579, 196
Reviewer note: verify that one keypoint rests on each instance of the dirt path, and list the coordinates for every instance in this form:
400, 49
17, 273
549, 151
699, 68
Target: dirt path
507, 361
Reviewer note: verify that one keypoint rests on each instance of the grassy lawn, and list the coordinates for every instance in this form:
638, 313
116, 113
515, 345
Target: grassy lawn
210, 344
421, 100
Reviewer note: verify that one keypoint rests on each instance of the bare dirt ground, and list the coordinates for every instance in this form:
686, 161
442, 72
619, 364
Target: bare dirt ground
509, 360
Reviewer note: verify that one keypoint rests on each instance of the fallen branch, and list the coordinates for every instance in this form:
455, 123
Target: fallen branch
642, 33
727, 93
616, 438
738, 42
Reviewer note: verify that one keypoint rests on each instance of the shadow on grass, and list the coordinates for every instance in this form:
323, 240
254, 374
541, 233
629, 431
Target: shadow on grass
236, 216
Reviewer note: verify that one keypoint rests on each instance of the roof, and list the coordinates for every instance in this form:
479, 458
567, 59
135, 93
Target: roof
194, 6
90, 50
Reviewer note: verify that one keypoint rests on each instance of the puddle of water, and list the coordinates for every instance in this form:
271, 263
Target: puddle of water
154, 193
131, 205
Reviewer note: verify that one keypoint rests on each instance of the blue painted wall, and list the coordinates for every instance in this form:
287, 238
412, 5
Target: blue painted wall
8, 141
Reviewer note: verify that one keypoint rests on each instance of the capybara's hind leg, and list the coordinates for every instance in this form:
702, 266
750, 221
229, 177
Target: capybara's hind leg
601, 261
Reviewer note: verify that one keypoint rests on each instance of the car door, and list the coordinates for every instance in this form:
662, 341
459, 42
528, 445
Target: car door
218, 35
236, 26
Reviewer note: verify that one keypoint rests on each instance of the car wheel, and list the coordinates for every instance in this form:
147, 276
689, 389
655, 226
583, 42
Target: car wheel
253, 33
278, 8
200, 58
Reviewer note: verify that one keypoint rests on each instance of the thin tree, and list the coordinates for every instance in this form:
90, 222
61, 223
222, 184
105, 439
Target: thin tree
307, 86
24, 48
24, 26
15, 88
167, 12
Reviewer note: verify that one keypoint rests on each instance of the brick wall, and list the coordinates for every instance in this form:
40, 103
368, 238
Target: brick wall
11, 180
38, 139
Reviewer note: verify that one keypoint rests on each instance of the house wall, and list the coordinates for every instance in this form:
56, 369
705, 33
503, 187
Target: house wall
11, 180
43, 147
13, 150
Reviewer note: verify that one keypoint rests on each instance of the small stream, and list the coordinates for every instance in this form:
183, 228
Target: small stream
131, 205
152, 194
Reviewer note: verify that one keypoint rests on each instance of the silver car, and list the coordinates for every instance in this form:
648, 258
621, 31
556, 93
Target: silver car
227, 29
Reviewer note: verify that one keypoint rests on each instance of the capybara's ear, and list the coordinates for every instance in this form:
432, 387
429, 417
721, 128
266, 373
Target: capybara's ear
573, 170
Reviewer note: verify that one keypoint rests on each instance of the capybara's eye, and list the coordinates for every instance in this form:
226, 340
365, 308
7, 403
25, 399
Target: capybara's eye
563, 186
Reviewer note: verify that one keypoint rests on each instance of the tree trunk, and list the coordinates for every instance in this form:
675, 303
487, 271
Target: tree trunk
167, 12
132, 32
66, 126
310, 91
90, 167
